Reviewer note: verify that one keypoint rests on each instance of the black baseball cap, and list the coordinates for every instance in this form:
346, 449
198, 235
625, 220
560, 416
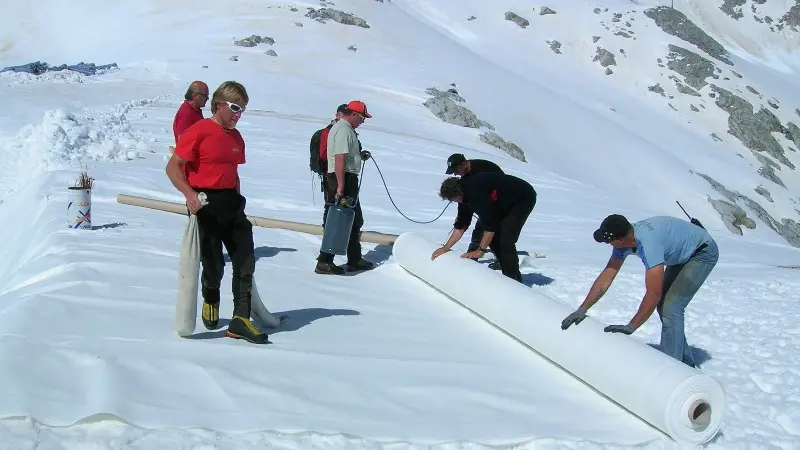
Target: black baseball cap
454, 161
613, 227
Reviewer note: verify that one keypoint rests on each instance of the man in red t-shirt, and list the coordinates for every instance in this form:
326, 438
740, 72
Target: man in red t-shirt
190, 110
206, 159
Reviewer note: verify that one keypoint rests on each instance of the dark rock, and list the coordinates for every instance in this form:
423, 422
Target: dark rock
545, 11
471, 18
323, 14
694, 108
792, 17
754, 130
692, 66
555, 46
786, 228
675, 23
716, 138
597, 10
271, 52
764, 193
253, 41
521, 21
772, 103
753, 90
657, 89
733, 8
38, 68
597, 38
605, 57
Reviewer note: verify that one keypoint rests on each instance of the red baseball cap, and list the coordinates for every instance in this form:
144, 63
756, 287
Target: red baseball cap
359, 107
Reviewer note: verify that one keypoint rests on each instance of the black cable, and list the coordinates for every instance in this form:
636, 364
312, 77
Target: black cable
395, 206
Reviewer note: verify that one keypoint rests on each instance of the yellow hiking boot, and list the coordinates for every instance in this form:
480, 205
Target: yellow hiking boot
210, 315
243, 328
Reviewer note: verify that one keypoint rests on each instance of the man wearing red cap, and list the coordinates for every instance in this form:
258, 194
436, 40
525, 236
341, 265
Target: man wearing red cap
344, 165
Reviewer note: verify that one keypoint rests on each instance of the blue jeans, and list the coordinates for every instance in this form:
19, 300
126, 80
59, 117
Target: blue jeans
681, 282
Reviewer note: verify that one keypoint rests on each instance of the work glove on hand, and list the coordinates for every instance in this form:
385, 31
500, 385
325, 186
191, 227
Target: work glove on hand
575, 317
365, 155
626, 329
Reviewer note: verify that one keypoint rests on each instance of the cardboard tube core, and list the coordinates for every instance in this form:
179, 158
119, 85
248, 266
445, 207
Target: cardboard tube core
700, 414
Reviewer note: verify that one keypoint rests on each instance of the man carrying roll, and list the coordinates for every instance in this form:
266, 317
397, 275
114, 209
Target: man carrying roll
677, 255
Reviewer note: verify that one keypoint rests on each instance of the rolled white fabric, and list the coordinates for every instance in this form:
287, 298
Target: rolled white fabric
682, 402
260, 311
188, 280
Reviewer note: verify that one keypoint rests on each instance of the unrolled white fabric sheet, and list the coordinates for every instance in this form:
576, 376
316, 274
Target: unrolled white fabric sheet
658, 389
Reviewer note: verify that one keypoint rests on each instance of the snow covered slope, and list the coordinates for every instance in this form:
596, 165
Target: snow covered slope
378, 360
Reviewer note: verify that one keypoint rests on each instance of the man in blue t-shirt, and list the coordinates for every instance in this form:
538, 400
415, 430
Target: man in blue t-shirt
677, 255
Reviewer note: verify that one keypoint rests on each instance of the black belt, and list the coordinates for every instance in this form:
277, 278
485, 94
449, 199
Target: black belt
699, 249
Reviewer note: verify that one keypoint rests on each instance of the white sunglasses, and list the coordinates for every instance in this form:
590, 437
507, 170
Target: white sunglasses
236, 109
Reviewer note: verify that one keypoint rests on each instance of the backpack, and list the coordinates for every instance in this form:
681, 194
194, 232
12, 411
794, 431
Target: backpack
318, 162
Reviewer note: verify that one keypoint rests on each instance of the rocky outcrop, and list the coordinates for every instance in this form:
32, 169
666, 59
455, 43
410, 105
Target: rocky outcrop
764, 193
323, 14
733, 216
444, 105
253, 41
495, 140
733, 8
694, 68
605, 57
675, 23
545, 11
519, 20
555, 46
754, 130
729, 211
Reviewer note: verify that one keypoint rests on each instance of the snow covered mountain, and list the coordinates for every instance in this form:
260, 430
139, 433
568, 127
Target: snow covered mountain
620, 106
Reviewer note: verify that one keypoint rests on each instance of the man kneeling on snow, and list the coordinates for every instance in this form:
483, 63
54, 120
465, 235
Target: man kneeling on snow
678, 257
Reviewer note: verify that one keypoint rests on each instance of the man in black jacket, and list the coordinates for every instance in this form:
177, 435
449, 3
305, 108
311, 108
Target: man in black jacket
503, 203
458, 164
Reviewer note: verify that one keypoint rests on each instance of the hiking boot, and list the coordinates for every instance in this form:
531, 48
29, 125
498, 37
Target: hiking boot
495, 265
242, 328
210, 315
325, 268
362, 264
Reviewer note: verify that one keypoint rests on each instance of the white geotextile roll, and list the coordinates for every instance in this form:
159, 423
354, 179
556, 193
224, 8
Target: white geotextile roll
682, 402
188, 279
260, 311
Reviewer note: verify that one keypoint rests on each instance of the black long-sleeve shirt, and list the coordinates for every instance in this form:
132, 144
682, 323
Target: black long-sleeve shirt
492, 196
477, 166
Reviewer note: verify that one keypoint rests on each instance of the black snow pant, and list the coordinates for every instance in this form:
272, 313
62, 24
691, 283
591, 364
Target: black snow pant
223, 222
324, 186
504, 243
350, 190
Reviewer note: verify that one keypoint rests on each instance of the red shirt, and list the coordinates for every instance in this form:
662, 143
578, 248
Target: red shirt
186, 116
212, 155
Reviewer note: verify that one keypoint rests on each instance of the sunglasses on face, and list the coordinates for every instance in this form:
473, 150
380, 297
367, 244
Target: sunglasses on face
236, 109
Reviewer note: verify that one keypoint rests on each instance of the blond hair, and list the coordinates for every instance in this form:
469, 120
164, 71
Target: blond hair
229, 91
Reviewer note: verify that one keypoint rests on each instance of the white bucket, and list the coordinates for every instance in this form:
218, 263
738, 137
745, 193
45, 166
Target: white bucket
79, 208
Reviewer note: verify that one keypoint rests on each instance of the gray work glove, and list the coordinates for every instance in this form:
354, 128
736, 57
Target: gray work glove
625, 329
575, 317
